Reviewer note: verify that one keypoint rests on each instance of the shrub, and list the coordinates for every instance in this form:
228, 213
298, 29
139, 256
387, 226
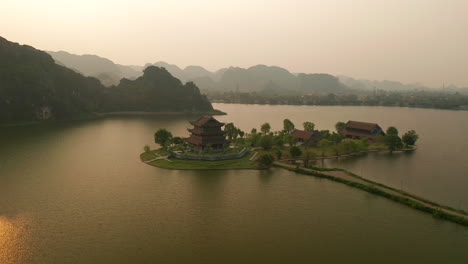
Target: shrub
266, 142
410, 137
278, 154
295, 151
147, 148
266, 159
393, 142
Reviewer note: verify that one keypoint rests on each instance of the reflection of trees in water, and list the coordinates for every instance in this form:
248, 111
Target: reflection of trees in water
265, 176
382, 162
208, 182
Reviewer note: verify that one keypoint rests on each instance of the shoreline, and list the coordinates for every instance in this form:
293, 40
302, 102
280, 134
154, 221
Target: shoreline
242, 163
96, 115
393, 106
144, 113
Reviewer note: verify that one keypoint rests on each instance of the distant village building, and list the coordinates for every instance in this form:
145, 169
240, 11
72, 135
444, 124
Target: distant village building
206, 132
357, 130
310, 137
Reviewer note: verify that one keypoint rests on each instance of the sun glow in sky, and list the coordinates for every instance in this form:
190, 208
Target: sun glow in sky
423, 41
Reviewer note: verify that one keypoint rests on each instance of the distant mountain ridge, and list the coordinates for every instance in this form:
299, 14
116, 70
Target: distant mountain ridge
258, 78
34, 87
108, 72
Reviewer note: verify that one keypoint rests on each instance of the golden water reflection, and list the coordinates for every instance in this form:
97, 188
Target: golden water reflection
13, 235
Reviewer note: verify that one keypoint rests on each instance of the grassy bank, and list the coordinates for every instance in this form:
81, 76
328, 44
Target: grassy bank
185, 164
410, 202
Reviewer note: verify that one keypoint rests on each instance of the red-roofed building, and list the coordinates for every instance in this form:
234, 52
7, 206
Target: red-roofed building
312, 137
356, 129
207, 131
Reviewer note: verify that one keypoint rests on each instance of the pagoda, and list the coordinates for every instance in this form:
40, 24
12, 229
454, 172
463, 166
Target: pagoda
207, 131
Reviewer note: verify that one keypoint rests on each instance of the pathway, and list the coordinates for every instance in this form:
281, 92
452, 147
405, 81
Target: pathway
158, 158
346, 176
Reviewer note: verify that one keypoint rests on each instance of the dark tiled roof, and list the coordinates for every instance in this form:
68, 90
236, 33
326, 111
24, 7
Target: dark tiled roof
204, 120
304, 134
360, 125
361, 129
356, 133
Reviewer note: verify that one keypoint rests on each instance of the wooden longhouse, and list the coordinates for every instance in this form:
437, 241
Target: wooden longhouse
310, 137
356, 129
206, 132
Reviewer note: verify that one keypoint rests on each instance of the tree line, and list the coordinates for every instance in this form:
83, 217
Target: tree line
424, 98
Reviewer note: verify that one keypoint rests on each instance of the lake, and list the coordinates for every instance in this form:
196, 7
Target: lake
76, 192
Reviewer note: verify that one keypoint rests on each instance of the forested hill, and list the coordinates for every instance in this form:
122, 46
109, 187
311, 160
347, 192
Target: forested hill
157, 90
34, 87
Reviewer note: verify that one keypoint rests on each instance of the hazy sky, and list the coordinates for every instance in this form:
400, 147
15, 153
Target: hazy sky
423, 41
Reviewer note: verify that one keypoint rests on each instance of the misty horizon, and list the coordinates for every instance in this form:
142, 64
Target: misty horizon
420, 42
184, 67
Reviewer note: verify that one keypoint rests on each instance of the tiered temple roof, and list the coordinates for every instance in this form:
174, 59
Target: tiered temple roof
207, 131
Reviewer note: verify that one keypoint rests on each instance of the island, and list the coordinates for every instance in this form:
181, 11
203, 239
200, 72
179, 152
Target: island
209, 146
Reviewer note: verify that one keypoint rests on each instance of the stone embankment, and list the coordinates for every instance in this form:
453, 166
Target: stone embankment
343, 176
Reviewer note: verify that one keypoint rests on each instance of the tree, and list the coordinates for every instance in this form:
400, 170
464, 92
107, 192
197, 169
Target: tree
241, 133
266, 160
254, 139
163, 137
177, 140
265, 128
325, 133
266, 142
308, 126
336, 138
324, 144
295, 151
393, 142
278, 153
410, 137
235, 133
392, 131
146, 148
290, 139
278, 141
230, 130
339, 126
288, 126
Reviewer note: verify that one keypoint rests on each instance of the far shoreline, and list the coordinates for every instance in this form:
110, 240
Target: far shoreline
214, 112
94, 116
461, 109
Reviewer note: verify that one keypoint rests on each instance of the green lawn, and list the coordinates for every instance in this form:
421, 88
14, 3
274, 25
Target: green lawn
151, 154
185, 164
